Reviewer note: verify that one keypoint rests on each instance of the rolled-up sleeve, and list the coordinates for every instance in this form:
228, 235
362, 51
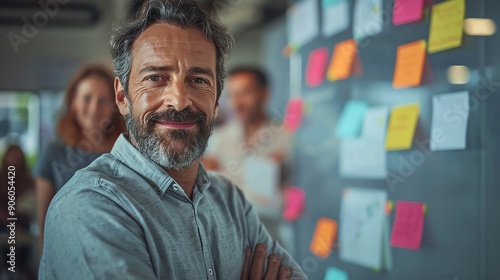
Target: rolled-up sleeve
88, 235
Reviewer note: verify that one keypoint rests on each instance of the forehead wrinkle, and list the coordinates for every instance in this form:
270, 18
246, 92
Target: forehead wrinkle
157, 44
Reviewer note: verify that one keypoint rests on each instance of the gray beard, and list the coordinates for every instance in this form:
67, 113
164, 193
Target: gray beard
159, 149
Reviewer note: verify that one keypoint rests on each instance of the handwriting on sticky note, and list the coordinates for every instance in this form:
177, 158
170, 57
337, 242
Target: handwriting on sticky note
447, 21
351, 119
342, 61
324, 237
294, 203
410, 61
406, 11
408, 225
333, 273
293, 114
401, 130
316, 67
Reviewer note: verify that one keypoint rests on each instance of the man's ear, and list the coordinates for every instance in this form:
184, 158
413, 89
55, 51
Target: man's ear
120, 98
216, 109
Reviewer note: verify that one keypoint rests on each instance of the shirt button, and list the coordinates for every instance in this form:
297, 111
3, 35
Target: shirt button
158, 192
176, 187
210, 271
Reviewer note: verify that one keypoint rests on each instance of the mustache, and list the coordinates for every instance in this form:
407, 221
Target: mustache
186, 115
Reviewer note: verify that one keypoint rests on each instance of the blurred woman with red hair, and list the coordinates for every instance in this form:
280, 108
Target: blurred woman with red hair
88, 128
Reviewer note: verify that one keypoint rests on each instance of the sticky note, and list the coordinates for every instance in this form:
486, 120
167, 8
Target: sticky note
375, 123
363, 228
302, 22
450, 115
408, 225
333, 273
316, 67
368, 18
324, 237
401, 130
293, 114
410, 61
351, 119
342, 61
447, 21
294, 203
406, 11
336, 16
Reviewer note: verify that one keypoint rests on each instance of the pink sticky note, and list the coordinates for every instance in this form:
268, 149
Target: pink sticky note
294, 203
293, 114
406, 11
316, 67
408, 225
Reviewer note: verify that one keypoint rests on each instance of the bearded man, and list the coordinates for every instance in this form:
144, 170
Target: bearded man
148, 209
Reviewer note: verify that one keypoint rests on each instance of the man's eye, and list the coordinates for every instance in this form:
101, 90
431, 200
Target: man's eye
199, 81
154, 78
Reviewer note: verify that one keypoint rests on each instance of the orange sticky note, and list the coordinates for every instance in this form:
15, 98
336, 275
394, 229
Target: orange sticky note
408, 225
342, 61
410, 63
324, 237
293, 115
316, 67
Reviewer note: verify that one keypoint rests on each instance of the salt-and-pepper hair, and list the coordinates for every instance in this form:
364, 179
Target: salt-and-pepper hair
182, 13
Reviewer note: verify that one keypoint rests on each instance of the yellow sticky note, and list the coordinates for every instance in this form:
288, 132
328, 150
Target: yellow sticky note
324, 237
401, 127
342, 61
410, 61
447, 21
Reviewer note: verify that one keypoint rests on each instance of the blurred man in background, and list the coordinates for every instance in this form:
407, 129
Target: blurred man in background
251, 142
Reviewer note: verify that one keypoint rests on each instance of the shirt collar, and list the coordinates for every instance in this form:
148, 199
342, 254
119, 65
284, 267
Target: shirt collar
125, 152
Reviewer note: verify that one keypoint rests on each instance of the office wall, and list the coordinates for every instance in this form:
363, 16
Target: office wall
460, 188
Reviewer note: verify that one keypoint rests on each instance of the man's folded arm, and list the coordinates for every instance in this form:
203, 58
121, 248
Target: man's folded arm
90, 236
258, 234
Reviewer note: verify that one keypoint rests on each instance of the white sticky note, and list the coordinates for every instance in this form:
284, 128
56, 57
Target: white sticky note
375, 123
450, 115
368, 20
363, 158
302, 21
335, 16
261, 177
362, 223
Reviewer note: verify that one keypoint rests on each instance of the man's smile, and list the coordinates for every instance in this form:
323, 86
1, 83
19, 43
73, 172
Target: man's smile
177, 125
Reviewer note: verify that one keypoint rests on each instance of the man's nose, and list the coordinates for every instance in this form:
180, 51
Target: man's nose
177, 96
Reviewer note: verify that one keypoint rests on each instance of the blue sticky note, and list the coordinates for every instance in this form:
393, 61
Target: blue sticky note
351, 119
333, 273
